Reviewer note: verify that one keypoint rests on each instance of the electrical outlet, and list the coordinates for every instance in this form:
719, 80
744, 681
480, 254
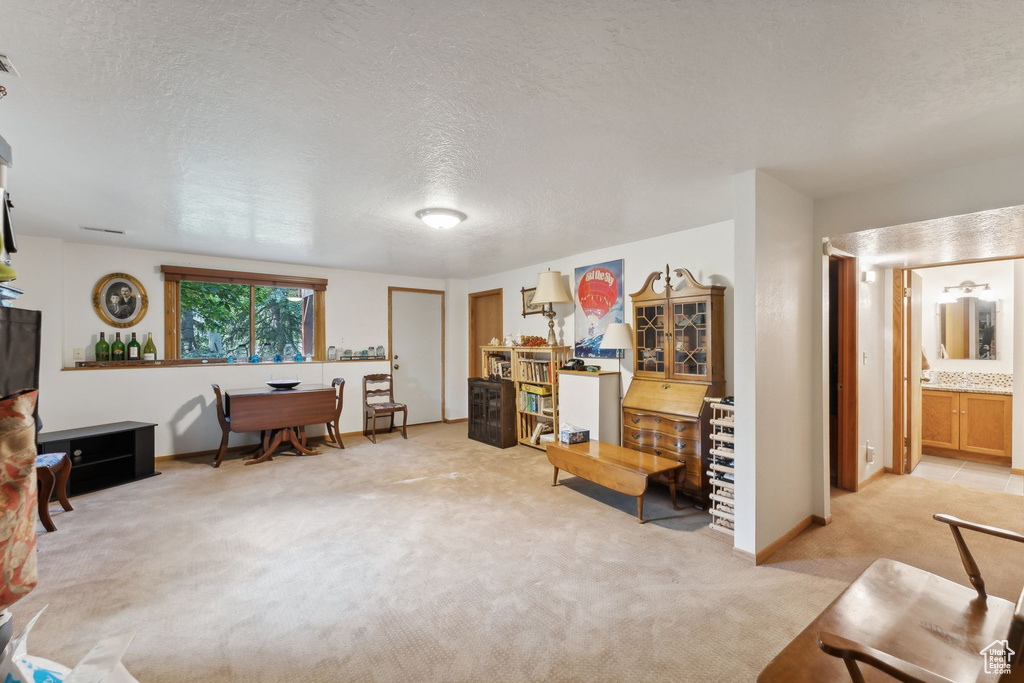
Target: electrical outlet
864, 358
79, 353
869, 453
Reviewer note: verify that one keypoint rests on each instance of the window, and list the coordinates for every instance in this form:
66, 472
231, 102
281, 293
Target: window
216, 313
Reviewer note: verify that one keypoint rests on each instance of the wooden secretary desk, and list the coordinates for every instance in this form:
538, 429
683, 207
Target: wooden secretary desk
679, 349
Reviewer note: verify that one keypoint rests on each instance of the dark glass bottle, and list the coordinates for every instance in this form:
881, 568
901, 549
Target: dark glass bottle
134, 349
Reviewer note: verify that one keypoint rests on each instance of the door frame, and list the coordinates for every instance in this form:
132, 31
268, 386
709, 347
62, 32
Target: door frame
847, 410
501, 316
444, 410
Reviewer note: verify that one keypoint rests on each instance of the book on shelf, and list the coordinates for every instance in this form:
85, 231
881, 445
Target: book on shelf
541, 429
536, 403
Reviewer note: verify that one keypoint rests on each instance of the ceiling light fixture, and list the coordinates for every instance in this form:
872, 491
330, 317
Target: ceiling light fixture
967, 289
442, 219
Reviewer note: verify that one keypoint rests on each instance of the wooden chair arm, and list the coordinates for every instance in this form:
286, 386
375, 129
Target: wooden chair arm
851, 653
970, 566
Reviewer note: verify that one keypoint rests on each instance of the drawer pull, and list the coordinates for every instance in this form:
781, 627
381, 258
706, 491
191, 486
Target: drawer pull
636, 420
680, 428
636, 436
658, 420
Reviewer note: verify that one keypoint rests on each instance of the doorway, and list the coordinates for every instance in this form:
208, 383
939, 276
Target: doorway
416, 343
485, 324
842, 354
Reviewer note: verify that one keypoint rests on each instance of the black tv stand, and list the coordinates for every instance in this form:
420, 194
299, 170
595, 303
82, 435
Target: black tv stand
104, 455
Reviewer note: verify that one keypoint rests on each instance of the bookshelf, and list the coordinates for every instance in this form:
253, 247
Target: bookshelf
535, 372
496, 361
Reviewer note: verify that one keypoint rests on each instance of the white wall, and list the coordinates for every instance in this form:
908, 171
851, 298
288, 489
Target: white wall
999, 274
456, 349
58, 278
871, 355
706, 251
775, 263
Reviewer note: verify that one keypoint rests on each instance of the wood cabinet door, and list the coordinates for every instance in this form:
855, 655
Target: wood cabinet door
940, 419
985, 424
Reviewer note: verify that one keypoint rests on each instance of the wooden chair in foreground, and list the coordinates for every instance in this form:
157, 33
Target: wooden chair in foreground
379, 401
52, 471
333, 431
899, 622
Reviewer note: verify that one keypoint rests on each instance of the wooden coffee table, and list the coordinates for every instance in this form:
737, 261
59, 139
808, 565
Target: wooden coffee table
614, 467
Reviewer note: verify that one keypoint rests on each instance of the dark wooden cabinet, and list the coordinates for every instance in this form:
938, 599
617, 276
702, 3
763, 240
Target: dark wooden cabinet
104, 455
492, 412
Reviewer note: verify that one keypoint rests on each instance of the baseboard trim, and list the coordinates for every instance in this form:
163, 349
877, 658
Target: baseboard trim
244, 447
821, 521
767, 551
1016, 471
744, 555
455, 421
889, 470
872, 479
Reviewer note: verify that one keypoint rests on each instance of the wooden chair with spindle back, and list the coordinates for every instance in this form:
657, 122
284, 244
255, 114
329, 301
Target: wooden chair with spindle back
333, 431
911, 625
379, 401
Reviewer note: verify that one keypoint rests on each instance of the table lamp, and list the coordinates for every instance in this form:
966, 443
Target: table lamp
550, 290
618, 336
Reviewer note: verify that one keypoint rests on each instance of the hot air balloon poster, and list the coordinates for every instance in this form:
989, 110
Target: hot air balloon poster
599, 301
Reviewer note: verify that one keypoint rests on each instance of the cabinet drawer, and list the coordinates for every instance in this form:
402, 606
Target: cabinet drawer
634, 421
692, 462
670, 445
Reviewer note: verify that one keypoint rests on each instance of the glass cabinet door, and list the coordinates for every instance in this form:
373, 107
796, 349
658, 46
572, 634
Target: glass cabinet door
690, 338
650, 339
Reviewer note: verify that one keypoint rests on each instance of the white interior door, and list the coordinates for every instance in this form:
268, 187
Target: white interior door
416, 353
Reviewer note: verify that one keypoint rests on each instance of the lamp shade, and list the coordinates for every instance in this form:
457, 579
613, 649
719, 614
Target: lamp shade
617, 336
550, 289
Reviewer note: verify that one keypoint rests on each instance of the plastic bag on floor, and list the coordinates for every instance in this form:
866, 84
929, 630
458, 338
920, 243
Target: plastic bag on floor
101, 665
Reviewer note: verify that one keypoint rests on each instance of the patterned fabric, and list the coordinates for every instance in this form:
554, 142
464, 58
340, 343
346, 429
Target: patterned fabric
49, 459
386, 406
17, 496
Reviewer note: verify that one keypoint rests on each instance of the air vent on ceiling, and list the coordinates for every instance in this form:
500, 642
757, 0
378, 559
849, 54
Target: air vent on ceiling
6, 67
106, 230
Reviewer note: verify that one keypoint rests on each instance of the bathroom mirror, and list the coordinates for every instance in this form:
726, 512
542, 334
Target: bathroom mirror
967, 329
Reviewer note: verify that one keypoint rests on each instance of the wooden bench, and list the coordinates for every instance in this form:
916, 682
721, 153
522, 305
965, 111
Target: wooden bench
619, 469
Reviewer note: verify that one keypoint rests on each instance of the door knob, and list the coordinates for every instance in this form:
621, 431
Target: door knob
396, 366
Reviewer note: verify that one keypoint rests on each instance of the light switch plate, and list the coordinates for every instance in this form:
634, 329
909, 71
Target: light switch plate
79, 353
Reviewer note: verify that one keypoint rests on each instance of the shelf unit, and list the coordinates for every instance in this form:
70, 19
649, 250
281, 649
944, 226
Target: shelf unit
104, 455
535, 372
496, 361
722, 466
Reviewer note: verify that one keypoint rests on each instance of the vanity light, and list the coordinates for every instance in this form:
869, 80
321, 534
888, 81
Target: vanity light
987, 294
967, 289
442, 219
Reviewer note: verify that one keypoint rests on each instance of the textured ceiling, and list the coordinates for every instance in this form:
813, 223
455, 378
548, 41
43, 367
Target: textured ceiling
978, 236
311, 131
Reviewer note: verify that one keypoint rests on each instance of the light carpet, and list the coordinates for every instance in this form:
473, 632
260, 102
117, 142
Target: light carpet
442, 559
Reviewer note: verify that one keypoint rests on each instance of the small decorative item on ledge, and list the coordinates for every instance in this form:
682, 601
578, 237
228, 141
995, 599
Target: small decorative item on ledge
531, 340
332, 353
278, 358
255, 358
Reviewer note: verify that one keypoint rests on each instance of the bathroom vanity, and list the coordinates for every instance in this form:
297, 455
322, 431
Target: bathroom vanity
970, 423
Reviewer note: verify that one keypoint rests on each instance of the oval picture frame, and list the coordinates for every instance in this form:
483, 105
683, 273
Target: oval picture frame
120, 300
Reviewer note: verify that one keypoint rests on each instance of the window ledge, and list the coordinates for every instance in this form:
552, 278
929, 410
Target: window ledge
200, 362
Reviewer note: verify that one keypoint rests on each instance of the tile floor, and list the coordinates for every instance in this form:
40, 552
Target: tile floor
977, 475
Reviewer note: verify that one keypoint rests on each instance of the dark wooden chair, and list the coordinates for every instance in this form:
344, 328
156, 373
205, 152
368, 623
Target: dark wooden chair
225, 425
909, 625
52, 469
379, 401
333, 431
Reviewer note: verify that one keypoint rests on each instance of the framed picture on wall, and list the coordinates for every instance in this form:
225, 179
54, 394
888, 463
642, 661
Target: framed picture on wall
120, 300
529, 308
599, 302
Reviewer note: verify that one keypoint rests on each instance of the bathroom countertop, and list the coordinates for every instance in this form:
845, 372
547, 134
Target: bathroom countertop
1003, 391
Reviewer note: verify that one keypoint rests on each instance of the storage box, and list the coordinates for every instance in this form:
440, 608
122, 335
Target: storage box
573, 434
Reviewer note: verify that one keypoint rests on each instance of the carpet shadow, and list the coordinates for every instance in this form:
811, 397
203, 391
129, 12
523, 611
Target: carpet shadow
657, 504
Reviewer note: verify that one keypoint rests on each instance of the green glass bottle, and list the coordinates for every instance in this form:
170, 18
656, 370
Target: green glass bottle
134, 349
117, 350
102, 348
149, 350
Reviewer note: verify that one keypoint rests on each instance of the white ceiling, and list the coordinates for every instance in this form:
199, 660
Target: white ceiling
311, 131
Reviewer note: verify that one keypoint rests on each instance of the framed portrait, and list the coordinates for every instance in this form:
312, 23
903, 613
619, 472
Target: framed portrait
599, 302
529, 308
120, 300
